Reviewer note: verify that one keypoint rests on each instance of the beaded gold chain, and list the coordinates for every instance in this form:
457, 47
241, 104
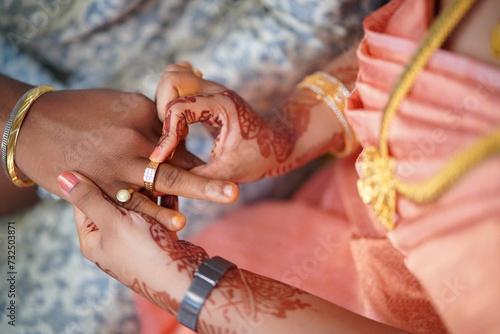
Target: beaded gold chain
378, 185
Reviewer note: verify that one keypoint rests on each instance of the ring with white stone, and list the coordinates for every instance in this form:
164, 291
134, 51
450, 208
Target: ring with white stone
123, 196
149, 176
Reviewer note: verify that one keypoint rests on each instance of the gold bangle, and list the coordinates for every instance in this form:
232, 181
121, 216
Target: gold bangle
19, 113
334, 94
495, 41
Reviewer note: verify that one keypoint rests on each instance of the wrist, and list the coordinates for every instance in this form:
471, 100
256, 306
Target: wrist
32, 130
333, 93
12, 90
11, 134
206, 278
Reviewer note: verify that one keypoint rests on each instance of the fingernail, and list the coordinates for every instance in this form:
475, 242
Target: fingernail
155, 153
228, 190
67, 181
178, 222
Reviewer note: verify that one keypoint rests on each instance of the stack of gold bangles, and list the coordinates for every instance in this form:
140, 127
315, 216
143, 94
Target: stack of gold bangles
11, 133
334, 94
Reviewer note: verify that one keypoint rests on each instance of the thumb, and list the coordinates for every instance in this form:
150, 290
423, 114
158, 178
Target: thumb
89, 199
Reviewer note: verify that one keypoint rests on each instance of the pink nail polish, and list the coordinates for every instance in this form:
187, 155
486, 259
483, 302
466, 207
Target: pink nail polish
155, 153
67, 181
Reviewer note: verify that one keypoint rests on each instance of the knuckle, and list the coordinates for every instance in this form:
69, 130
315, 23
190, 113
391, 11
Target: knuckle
172, 177
209, 188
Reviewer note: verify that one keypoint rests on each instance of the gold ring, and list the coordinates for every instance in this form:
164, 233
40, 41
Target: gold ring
149, 176
123, 196
196, 72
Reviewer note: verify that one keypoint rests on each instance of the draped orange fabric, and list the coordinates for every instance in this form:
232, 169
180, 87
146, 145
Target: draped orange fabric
438, 270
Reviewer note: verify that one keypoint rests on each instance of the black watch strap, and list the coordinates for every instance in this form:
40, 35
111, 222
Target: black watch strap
206, 277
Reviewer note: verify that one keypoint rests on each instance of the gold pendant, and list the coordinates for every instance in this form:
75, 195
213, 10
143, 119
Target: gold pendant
377, 185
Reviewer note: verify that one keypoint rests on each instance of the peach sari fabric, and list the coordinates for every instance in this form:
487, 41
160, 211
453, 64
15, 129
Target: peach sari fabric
438, 271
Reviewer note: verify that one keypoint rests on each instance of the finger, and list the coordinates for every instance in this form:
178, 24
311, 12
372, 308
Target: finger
180, 80
89, 235
89, 199
182, 112
215, 169
176, 81
81, 221
168, 217
177, 181
174, 180
175, 126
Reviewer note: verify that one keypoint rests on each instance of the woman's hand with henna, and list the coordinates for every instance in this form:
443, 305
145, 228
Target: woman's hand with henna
248, 146
132, 247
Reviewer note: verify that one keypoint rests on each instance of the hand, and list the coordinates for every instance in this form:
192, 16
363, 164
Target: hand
131, 247
247, 146
107, 135
179, 80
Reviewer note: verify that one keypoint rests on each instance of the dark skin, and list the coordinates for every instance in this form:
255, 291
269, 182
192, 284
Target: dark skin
107, 135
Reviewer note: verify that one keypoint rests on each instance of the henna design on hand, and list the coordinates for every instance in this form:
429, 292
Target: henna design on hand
186, 255
92, 226
252, 298
160, 298
278, 135
107, 271
189, 116
261, 296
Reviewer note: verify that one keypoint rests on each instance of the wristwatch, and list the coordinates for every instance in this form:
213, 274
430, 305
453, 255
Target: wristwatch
206, 277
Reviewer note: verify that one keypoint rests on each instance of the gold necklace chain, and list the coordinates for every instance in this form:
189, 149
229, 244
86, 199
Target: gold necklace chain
378, 185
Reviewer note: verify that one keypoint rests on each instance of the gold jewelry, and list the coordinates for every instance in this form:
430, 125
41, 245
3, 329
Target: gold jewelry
378, 185
149, 176
123, 196
11, 133
495, 41
334, 94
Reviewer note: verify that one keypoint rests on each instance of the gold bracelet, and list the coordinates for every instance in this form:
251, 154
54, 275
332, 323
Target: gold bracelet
12, 132
334, 94
495, 41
